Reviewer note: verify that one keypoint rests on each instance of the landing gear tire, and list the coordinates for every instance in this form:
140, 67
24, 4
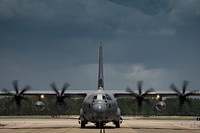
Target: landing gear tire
83, 124
99, 125
117, 124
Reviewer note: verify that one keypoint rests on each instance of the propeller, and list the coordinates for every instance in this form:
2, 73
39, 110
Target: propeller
18, 95
60, 95
182, 95
140, 95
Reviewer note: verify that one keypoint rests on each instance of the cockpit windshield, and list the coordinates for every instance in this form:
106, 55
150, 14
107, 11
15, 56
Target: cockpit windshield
102, 97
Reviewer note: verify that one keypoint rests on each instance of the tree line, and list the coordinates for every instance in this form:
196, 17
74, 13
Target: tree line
72, 107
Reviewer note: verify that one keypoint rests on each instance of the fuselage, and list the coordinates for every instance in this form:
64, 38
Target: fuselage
100, 107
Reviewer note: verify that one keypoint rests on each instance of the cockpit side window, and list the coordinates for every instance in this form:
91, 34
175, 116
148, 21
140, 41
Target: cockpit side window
108, 97
95, 97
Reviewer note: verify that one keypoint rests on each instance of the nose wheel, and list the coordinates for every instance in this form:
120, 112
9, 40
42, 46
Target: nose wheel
99, 125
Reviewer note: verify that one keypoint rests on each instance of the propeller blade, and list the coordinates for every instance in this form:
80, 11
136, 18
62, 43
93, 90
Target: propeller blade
128, 89
66, 85
182, 95
185, 83
25, 89
139, 96
15, 84
188, 102
63, 104
53, 85
190, 93
140, 87
173, 87
17, 96
149, 90
60, 101
140, 99
60, 95
139, 108
180, 107
139, 103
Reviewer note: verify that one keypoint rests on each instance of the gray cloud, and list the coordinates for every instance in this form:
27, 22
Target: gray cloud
90, 17
45, 41
184, 12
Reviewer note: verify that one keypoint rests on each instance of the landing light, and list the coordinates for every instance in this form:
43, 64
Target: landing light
42, 96
158, 97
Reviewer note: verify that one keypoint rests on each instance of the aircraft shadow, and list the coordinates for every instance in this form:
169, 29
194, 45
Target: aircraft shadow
58, 127
147, 128
94, 127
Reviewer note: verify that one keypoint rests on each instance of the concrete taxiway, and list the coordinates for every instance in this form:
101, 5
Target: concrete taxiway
72, 126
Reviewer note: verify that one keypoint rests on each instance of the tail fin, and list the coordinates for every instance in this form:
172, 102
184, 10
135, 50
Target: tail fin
100, 75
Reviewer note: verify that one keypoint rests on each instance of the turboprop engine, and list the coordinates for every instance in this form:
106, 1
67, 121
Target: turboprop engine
160, 106
39, 106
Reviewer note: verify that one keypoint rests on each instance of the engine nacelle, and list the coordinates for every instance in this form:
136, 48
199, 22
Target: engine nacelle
39, 106
160, 106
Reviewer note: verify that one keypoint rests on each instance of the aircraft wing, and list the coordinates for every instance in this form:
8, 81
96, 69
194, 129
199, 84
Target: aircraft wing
68, 93
84, 93
169, 94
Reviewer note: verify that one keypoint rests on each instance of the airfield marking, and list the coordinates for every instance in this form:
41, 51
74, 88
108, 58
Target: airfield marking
102, 130
70, 126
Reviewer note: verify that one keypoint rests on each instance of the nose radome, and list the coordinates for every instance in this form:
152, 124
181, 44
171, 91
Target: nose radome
99, 108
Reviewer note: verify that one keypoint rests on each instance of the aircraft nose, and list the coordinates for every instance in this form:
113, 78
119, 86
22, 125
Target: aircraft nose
99, 108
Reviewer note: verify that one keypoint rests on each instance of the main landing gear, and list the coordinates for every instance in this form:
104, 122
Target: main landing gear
83, 123
117, 124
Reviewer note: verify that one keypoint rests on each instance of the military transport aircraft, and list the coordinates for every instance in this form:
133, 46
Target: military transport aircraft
100, 106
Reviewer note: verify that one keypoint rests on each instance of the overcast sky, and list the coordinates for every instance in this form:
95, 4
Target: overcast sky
156, 41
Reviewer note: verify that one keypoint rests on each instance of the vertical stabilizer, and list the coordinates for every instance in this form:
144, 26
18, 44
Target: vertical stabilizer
100, 75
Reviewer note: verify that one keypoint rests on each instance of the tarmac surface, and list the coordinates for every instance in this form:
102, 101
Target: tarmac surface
72, 126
